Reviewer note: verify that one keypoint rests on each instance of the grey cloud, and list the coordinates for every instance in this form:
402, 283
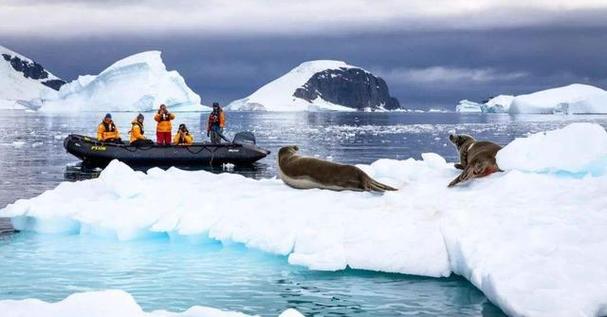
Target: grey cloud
478, 64
72, 18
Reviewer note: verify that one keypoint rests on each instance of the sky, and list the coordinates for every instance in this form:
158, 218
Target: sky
431, 53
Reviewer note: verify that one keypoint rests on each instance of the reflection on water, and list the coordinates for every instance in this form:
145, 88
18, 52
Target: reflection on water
79, 171
174, 275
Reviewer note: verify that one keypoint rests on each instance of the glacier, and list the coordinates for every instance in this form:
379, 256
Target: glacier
114, 303
140, 82
277, 95
532, 238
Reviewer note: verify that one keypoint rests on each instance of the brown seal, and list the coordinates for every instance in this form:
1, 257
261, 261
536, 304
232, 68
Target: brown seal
477, 158
307, 172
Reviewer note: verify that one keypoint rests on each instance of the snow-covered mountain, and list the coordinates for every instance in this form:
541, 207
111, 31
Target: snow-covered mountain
139, 82
571, 99
321, 85
22, 79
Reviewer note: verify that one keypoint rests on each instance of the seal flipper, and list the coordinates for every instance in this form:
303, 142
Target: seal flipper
478, 169
379, 187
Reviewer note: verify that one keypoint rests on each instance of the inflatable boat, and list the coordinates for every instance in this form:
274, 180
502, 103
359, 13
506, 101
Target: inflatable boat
241, 151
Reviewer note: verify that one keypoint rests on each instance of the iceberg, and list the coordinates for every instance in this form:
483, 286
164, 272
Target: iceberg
532, 239
572, 99
468, 106
109, 303
499, 104
139, 82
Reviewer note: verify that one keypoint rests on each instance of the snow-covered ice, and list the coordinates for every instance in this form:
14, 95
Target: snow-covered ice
278, 94
499, 103
572, 99
109, 303
139, 82
468, 106
577, 148
534, 243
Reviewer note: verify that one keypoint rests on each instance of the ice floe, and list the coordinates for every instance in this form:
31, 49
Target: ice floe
534, 243
110, 303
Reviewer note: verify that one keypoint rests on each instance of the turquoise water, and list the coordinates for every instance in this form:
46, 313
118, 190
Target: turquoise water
174, 275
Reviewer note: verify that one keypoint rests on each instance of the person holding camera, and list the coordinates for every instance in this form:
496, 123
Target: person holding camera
216, 124
183, 136
107, 130
164, 128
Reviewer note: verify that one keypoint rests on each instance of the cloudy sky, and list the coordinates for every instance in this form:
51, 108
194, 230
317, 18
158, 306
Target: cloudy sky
431, 52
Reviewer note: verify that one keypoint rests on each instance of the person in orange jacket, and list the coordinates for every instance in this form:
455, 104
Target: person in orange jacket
164, 128
107, 130
183, 136
216, 123
137, 132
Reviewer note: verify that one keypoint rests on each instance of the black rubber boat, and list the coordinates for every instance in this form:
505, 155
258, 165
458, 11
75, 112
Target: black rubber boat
242, 151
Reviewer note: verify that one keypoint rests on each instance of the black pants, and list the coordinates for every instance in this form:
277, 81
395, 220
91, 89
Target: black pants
142, 142
118, 141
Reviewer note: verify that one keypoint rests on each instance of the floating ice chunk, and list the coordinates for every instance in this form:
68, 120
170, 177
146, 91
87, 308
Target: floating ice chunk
534, 243
110, 303
291, 313
577, 148
18, 144
468, 106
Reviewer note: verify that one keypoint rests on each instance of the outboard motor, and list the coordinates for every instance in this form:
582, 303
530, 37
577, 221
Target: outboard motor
244, 138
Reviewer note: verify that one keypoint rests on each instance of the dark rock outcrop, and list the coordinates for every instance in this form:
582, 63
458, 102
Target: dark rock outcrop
54, 83
33, 70
350, 87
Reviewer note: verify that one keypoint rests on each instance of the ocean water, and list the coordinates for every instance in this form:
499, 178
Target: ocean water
166, 274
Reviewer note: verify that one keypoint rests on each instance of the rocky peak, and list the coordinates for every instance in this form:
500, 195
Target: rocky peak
350, 87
